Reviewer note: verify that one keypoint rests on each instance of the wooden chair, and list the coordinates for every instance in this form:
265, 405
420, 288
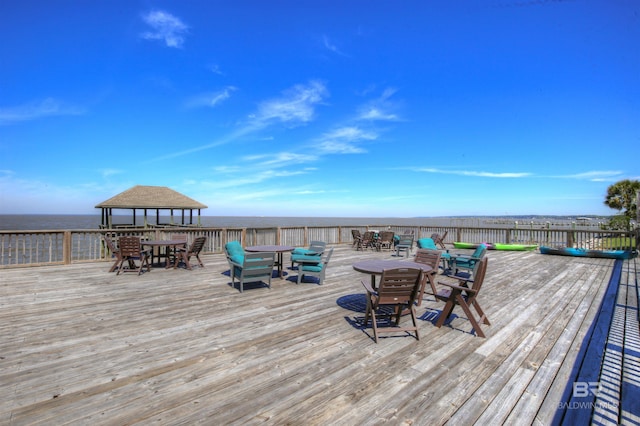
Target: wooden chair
431, 258
429, 243
357, 237
439, 240
405, 244
115, 252
367, 240
313, 267
184, 254
131, 250
458, 262
397, 292
465, 294
173, 252
386, 240
255, 267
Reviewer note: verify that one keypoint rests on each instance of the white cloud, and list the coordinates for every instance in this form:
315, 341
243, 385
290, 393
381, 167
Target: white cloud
165, 27
380, 109
344, 140
596, 176
476, 173
329, 45
48, 107
296, 106
281, 159
211, 99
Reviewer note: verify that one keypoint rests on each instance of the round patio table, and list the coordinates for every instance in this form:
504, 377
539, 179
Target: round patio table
376, 266
275, 249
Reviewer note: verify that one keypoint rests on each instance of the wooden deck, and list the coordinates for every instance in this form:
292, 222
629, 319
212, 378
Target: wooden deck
80, 345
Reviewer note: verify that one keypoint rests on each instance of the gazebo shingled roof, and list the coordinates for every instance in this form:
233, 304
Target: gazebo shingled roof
149, 197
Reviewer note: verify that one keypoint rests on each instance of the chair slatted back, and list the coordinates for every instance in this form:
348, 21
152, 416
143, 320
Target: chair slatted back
317, 246
399, 286
129, 246
428, 257
478, 278
197, 246
257, 266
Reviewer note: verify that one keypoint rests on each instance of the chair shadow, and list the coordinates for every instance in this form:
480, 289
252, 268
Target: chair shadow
431, 315
353, 302
358, 304
251, 284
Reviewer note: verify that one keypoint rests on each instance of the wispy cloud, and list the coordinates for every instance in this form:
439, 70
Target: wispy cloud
380, 109
595, 176
476, 173
48, 107
296, 106
211, 99
165, 27
345, 140
110, 172
281, 159
331, 46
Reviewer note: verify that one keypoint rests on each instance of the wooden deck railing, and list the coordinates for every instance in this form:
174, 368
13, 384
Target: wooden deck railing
30, 248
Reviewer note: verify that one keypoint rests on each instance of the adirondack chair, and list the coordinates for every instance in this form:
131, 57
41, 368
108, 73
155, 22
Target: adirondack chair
465, 294
396, 292
131, 250
431, 258
313, 266
460, 261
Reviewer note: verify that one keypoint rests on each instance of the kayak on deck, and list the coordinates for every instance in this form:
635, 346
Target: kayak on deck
515, 247
496, 246
461, 245
580, 252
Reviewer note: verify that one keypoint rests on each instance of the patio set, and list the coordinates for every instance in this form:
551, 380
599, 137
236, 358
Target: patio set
398, 291
132, 253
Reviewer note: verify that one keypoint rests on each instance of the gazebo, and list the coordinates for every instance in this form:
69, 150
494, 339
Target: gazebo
151, 198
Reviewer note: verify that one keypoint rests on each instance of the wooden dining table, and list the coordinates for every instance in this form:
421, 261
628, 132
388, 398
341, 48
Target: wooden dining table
167, 244
278, 250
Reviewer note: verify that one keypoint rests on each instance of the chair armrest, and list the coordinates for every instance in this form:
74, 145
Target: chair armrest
458, 286
367, 286
306, 259
231, 262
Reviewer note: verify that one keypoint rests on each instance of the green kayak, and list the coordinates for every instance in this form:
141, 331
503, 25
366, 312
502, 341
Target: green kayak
496, 246
515, 247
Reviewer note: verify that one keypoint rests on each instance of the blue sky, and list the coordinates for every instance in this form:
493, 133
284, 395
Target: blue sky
321, 108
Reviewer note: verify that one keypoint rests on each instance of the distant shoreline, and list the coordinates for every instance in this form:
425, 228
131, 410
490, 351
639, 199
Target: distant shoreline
53, 222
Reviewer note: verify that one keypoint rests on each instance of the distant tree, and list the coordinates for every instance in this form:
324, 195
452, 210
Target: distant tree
622, 196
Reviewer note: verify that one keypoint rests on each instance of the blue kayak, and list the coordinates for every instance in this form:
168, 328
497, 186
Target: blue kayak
580, 252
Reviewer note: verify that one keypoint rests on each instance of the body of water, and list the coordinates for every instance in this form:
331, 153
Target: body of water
52, 222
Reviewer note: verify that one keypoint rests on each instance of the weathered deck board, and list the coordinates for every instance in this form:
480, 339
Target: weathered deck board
81, 345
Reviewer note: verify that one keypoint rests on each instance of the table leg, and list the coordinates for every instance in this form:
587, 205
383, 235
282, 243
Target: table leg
280, 265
